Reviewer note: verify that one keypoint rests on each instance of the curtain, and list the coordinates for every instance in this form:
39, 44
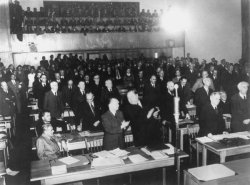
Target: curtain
245, 13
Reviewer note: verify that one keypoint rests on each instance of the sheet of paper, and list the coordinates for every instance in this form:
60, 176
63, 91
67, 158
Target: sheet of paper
204, 139
158, 155
169, 151
84, 133
104, 154
137, 158
211, 172
68, 160
118, 152
146, 151
101, 162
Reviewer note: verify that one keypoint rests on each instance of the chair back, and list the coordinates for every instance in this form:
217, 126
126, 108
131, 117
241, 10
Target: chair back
94, 143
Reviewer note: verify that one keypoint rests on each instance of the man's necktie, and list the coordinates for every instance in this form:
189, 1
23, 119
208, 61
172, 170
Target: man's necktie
92, 108
55, 93
216, 110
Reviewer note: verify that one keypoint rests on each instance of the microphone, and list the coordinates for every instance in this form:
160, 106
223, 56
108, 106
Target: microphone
176, 86
176, 104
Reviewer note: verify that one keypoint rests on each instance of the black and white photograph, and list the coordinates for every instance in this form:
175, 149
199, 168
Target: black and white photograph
124, 92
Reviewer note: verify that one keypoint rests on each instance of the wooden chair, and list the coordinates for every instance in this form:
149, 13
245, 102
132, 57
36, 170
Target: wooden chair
227, 122
129, 140
192, 131
94, 144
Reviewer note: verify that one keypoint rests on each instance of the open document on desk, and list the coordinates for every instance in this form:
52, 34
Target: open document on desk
211, 172
104, 162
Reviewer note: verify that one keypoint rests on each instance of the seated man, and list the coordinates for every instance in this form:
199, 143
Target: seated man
47, 146
211, 120
45, 118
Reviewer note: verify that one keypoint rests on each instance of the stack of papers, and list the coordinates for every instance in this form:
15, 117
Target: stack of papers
161, 153
137, 158
68, 160
158, 155
204, 139
119, 153
103, 162
169, 151
211, 172
84, 133
104, 154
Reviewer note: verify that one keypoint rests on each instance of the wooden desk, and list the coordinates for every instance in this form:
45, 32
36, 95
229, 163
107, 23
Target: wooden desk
182, 131
40, 170
222, 150
2, 173
241, 167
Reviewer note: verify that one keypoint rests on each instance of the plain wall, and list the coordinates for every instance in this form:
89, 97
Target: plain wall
215, 29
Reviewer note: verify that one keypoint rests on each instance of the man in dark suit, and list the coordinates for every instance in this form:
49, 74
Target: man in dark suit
224, 104
202, 95
7, 99
59, 81
91, 114
41, 88
240, 109
68, 92
184, 91
145, 128
96, 88
15, 87
216, 80
44, 63
109, 91
113, 124
211, 120
191, 74
151, 93
79, 99
53, 103
167, 105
